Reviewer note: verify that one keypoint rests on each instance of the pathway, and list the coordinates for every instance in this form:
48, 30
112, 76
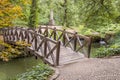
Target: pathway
67, 55
91, 69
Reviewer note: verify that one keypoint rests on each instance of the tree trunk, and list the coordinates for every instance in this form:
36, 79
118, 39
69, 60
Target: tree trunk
51, 21
33, 14
65, 23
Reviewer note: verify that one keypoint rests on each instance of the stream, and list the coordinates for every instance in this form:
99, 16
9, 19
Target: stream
15, 67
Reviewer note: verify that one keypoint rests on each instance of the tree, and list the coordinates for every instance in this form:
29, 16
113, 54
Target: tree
33, 14
25, 5
8, 13
92, 13
98, 13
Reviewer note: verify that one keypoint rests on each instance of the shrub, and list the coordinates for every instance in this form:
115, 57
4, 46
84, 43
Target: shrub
107, 52
112, 50
39, 72
8, 51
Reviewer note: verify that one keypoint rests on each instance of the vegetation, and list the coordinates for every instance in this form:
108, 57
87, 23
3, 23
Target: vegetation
8, 13
39, 72
92, 14
33, 14
8, 51
112, 49
99, 19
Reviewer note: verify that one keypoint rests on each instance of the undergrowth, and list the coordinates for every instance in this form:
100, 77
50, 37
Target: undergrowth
39, 72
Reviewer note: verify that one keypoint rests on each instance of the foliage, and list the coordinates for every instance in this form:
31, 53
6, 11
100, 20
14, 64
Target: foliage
112, 49
100, 32
92, 13
98, 13
111, 28
39, 72
33, 14
8, 51
25, 5
8, 12
22, 44
107, 52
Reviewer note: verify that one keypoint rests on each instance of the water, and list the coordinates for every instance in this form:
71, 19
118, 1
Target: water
12, 68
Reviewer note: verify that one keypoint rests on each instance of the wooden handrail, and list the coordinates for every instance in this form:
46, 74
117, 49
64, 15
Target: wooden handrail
82, 36
68, 38
38, 42
43, 37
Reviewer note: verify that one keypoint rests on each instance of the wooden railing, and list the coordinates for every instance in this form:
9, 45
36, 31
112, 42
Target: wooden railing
47, 49
68, 39
45, 41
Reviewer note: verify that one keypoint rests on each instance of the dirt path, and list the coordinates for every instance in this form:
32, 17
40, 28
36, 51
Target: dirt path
91, 69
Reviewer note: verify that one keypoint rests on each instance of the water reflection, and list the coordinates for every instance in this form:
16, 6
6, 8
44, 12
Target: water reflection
12, 68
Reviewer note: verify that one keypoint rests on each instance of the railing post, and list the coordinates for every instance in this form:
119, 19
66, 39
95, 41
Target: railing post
46, 31
9, 38
89, 47
20, 34
12, 34
40, 30
4, 35
35, 41
75, 41
27, 37
17, 34
54, 33
64, 37
58, 53
45, 47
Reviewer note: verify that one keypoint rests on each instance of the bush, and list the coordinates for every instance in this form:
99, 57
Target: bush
8, 51
39, 72
112, 50
107, 52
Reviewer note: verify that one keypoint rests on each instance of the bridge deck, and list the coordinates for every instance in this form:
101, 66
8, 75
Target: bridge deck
67, 55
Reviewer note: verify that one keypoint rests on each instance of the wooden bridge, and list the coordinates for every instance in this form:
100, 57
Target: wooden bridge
54, 46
